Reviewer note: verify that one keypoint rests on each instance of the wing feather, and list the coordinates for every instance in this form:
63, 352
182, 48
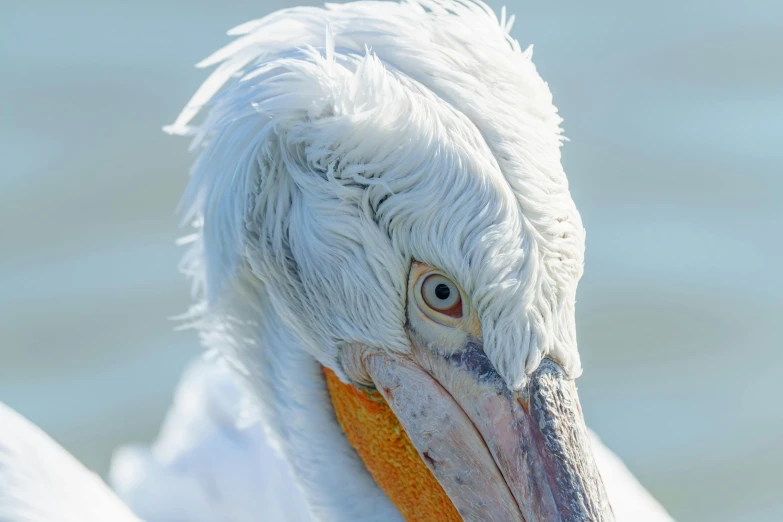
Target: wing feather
207, 464
631, 502
41, 482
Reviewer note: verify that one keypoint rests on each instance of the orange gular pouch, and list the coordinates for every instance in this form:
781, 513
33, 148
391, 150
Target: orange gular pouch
389, 455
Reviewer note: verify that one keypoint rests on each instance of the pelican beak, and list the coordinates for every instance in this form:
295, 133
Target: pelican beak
499, 456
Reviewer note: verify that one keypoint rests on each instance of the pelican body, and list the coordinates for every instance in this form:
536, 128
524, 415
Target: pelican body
385, 256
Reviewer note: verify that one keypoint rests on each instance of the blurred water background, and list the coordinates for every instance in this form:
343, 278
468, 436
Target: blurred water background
674, 112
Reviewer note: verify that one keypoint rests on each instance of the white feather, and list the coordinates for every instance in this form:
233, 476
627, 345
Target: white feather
335, 146
210, 465
338, 144
631, 502
41, 482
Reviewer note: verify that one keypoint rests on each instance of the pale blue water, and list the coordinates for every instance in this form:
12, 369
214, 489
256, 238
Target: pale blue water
674, 113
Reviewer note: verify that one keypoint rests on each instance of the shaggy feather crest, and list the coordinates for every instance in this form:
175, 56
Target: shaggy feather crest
339, 144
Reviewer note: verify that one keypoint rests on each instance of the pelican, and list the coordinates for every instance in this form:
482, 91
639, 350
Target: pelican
385, 259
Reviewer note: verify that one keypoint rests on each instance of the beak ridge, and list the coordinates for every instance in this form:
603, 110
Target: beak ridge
563, 447
439, 430
498, 455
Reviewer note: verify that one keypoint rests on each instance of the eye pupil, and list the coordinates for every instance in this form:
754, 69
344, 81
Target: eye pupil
440, 295
442, 291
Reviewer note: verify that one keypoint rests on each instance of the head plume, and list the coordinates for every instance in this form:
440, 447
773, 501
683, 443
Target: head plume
338, 144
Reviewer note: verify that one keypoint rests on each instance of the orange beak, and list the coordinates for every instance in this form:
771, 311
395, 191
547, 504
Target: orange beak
496, 455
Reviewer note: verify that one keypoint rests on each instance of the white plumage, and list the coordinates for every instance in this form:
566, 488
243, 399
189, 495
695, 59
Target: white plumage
370, 133
210, 463
237, 454
41, 482
337, 145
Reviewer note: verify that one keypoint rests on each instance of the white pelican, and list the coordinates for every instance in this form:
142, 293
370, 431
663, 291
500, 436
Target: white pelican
387, 255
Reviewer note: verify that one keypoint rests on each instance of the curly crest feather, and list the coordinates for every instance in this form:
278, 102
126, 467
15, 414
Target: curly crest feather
338, 144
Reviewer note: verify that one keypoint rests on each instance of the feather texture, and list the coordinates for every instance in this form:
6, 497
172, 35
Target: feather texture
208, 464
337, 144
212, 463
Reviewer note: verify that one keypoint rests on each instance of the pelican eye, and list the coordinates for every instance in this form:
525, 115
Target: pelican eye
442, 295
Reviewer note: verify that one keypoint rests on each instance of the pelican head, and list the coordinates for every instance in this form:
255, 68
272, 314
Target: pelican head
378, 194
